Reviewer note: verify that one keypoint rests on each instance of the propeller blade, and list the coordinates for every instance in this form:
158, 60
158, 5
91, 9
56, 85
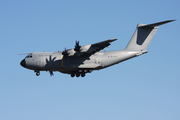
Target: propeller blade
77, 46
51, 73
65, 52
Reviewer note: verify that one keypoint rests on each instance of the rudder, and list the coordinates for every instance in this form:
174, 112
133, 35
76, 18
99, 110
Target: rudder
143, 36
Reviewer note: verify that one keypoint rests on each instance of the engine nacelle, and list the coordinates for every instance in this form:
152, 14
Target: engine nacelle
88, 48
71, 52
85, 48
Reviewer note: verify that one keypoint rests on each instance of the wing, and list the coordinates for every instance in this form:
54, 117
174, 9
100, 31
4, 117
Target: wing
99, 46
87, 49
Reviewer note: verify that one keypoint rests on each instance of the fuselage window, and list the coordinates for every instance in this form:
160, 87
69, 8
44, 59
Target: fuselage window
29, 56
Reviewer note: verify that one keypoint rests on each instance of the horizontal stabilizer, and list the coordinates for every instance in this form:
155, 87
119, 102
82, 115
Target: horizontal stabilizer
157, 24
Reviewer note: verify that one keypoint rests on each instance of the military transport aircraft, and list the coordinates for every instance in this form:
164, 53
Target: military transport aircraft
84, 59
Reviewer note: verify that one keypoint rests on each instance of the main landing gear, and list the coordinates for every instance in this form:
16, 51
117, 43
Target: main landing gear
78, 74
81, 73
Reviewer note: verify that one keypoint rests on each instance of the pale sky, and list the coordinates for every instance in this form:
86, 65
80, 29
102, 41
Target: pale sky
142, 88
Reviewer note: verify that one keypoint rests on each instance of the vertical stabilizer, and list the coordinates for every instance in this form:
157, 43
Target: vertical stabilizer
143, 36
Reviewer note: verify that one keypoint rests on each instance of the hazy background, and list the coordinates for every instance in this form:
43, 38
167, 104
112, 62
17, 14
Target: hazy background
143, 88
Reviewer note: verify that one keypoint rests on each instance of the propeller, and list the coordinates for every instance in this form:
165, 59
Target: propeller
77, 46
65, 52
51, 73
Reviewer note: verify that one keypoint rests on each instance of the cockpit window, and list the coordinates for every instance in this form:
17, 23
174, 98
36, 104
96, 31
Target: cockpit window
29, 56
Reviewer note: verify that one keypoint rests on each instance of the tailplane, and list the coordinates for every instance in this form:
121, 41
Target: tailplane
143, 35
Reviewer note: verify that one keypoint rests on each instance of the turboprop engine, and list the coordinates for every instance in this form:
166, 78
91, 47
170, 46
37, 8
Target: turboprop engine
82, 50
79, 50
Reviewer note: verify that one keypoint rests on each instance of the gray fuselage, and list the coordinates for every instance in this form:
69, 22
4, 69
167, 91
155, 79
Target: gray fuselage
54, 61
85, 59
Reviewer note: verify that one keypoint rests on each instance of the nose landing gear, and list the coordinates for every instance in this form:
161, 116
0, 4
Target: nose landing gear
37, 72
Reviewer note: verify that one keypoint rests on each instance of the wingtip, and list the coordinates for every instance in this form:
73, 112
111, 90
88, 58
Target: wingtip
114, 39
171, 20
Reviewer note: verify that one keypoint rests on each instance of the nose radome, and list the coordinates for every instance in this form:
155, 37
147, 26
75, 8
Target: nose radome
23, 63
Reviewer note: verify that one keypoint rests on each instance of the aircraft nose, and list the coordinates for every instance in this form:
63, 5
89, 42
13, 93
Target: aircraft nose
23, 63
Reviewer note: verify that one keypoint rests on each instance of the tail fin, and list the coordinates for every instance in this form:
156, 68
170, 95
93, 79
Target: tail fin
143, 36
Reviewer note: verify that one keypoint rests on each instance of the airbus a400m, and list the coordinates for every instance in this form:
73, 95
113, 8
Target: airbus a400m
84, 59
